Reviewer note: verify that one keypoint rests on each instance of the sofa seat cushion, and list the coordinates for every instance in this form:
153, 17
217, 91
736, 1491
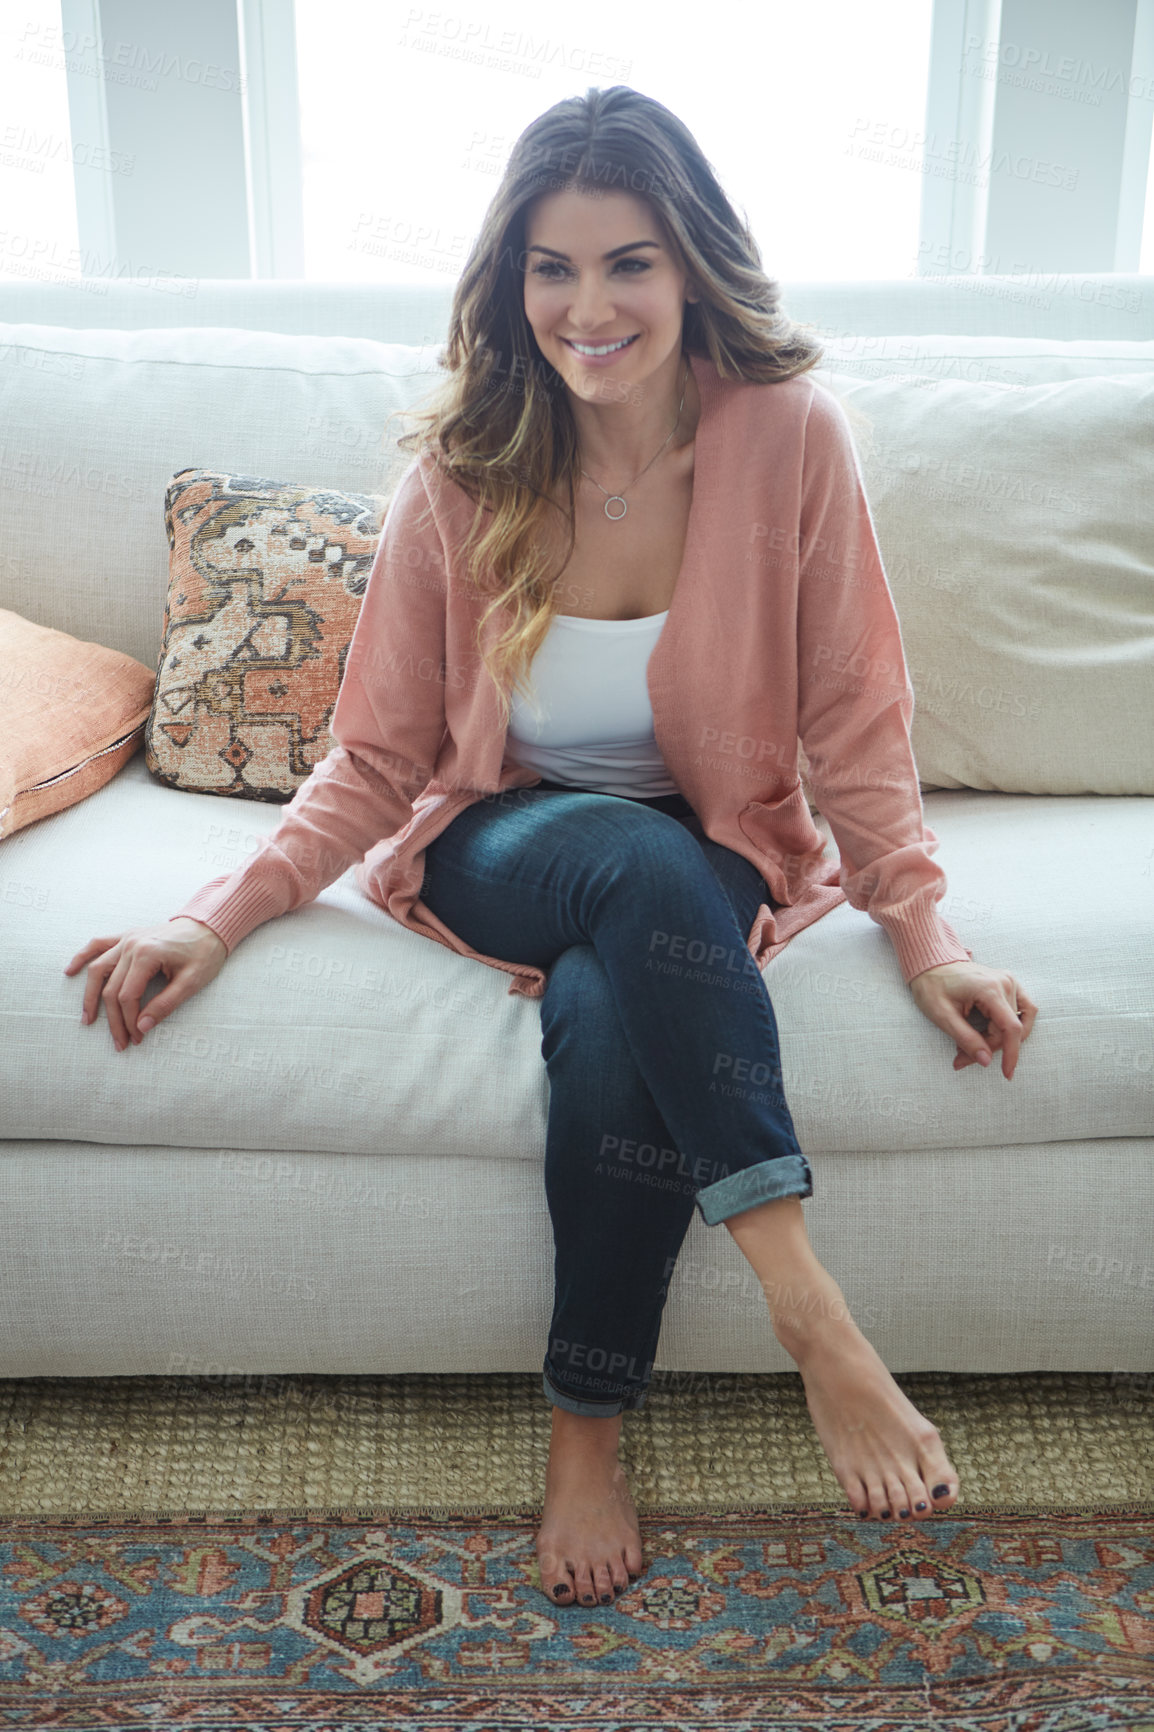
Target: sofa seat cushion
335, 1028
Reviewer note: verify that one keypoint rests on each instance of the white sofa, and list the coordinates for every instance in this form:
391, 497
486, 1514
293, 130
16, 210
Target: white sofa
331, 1159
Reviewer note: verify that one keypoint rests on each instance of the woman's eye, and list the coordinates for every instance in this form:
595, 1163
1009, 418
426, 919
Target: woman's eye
549, 269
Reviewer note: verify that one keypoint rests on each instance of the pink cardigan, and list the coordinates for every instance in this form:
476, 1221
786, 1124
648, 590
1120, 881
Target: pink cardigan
781, 628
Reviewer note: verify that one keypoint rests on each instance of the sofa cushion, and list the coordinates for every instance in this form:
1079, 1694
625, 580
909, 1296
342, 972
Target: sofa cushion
1001, 360
335, 1028
1018, 620
265, 586
74, 714
98, 421
1016, 523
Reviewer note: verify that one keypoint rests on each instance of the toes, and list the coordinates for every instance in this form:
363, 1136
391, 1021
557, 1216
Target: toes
937, 1472
896, 1499
859, 1498
603, 1585
619, 1575
905, 1494
634, 1562
875, 1499
556, 1580
917, 1503
584, 1585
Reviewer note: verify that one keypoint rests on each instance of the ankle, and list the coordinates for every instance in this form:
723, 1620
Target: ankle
806, 1309
581, 1432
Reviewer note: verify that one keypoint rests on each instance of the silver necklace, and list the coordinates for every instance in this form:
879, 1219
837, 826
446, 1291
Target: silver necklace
618, 498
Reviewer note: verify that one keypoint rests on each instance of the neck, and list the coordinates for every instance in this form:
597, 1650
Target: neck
617, 440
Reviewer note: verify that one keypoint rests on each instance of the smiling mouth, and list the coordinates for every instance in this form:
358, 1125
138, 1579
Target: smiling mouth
597, 349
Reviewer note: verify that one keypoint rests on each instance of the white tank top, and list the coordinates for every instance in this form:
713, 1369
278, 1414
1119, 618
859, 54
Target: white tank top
592, 721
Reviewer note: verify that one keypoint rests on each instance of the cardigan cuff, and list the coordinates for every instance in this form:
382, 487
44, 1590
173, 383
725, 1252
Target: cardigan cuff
923, 939
233, 913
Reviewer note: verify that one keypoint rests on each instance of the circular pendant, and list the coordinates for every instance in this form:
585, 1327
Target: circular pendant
615, 516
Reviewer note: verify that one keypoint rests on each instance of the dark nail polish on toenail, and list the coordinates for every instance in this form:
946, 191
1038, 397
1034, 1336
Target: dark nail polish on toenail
919, 1506
587, 1599
885, 1515
940, 1490
903, 1513
607, 1599
559, 1590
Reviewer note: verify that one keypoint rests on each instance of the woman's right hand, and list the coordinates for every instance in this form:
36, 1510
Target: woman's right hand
186, 951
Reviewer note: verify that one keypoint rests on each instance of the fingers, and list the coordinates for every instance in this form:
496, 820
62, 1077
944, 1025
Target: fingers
117, 975
97, 974
94, 947
1008, 1015
110, 998
163, 1005
120, 970
1004, 1016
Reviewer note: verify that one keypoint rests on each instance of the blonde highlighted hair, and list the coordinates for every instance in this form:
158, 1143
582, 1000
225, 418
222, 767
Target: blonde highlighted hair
500, 424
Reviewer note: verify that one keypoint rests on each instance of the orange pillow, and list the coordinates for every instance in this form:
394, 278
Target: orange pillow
266, 581
74, 714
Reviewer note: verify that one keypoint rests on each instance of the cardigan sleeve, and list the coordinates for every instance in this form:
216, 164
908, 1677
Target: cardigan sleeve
388, 723
856, 703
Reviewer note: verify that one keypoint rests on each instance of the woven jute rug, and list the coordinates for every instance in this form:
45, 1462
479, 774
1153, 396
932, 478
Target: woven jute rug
479, 1444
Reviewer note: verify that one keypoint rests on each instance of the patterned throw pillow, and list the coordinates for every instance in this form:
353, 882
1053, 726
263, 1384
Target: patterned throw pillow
265, 585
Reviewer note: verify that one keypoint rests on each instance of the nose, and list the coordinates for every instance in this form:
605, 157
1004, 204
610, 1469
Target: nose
592, 306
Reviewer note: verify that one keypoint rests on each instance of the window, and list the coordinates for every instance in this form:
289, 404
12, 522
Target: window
38, 230
408, 114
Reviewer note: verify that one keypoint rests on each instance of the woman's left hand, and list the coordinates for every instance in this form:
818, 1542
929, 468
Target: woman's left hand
954, 992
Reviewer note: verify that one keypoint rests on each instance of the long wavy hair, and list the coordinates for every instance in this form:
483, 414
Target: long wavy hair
501, 424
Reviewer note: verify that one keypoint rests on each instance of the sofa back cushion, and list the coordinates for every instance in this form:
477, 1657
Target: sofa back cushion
97, 422
1000, 360
1016, 523
1014, 514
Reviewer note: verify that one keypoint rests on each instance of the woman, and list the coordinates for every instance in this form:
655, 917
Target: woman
627, 421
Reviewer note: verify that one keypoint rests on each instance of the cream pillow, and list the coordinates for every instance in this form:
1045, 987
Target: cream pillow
1016, 525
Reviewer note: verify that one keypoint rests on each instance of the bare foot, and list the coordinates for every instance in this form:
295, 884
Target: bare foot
589, 1543
887, 1457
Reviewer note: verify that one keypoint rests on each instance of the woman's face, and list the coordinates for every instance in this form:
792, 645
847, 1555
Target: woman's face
576, 293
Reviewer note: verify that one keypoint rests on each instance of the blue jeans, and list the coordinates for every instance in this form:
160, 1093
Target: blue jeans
659, 1039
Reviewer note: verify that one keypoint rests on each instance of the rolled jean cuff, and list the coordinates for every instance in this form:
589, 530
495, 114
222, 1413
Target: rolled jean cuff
784, 1176
593, 1409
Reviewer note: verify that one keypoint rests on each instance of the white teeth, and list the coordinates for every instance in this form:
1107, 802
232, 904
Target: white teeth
606, 349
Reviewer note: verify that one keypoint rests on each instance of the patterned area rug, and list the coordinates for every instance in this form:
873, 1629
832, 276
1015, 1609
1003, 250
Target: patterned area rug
763, 1619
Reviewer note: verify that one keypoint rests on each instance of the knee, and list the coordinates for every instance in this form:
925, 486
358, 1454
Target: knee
578, 997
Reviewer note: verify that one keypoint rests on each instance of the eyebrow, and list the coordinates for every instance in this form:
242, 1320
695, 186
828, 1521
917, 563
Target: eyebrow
616, 253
